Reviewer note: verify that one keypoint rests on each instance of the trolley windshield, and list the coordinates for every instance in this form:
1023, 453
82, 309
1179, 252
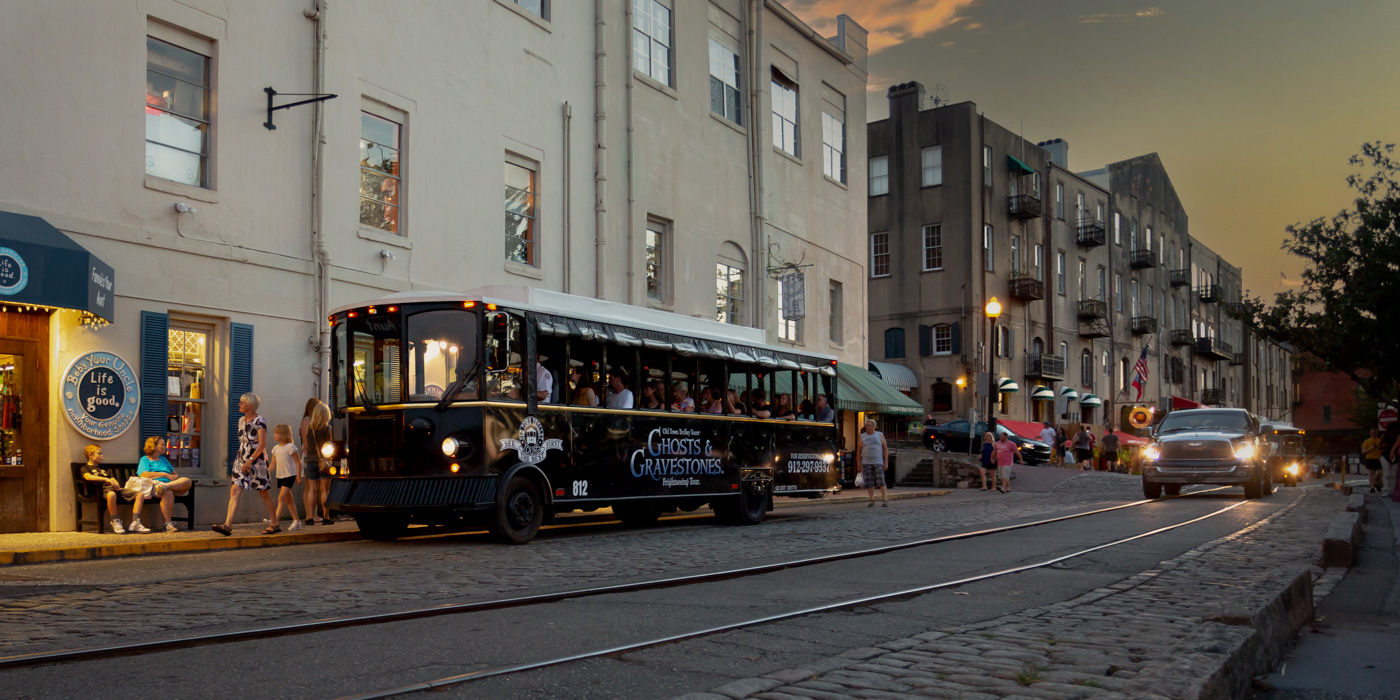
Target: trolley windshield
415, 356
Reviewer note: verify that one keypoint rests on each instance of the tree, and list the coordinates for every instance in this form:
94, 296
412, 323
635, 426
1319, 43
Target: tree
1346, 314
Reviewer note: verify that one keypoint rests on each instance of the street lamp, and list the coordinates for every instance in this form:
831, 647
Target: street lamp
993, 310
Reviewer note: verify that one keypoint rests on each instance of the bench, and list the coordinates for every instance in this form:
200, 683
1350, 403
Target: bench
90, 492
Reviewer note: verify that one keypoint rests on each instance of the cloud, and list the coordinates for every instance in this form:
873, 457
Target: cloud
891, 22
1145, 13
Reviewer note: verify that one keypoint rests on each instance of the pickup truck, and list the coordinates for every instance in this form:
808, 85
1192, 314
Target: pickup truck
1222, 446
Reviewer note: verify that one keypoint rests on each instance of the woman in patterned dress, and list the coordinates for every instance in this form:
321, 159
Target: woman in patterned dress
250, 465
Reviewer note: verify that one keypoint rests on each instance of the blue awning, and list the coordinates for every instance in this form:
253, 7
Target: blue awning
41, 266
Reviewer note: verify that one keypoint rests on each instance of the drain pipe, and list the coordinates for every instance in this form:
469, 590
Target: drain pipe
568, 121
631, 191
600, 148
321, 257
758, 260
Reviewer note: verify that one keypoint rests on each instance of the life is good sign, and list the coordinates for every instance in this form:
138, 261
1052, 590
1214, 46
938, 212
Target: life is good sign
100, 395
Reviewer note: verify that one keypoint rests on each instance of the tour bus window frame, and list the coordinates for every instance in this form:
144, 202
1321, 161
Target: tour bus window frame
512, 319
691, 378
476, 340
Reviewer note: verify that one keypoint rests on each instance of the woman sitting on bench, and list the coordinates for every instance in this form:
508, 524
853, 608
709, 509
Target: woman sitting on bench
156, 467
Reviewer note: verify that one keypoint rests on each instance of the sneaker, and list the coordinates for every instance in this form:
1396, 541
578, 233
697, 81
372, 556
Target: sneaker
170, 527
117, 528
296, 525
136, 526
309, 521
884, 504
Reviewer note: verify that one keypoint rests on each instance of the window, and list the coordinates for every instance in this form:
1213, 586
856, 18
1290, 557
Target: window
380, 174
987, 247
651, 40
520, 211
1084, 280
880, 254
1086, 369
1103, 284
1015, 254
186, 397
177, 113
834, 315
1064, 351
1134, 297
1151, 295
1003, 348
942, 393
1117, 228
784, 100
987, 166
724, 80
1117, 291
1079, 209
942, 339
1098, 212
1147, 242
1035, 184
932, 158
1162, 247
1123, 374
1132, 235
1060, 201
789, 329
933, 248
879, 175
833, 148
1039, 262
538, 8
441, 344
894, 343
656, 240
729, 285
1060, 272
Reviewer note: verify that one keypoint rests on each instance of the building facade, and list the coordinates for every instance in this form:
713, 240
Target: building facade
680, 156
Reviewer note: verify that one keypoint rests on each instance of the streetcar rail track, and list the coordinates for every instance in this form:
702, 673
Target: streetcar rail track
311, 626
767, 619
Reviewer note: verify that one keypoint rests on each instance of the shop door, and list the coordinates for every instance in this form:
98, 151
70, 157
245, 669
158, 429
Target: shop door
19, 473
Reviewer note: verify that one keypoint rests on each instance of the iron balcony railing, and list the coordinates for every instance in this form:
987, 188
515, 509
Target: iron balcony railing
1180, 278
1027, 288
1091, 233
1144, 325
1214, 348
1237, 358
1213, 397
1092, 308
1142, 259
1043, 366
1209, 293
1024, 206
1182, 337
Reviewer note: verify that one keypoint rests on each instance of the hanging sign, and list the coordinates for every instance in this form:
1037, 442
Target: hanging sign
14, 274
794, 296
100, 395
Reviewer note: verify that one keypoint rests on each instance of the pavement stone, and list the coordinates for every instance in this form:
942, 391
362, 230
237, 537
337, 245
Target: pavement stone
1147, 636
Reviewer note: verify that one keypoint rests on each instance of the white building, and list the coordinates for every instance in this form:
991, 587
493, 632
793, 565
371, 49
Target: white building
663, 154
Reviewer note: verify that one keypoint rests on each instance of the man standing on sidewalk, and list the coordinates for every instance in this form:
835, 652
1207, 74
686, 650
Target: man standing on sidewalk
873, 454
1371, 457
1049, 437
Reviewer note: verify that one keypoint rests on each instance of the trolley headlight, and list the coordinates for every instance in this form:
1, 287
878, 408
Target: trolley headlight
1245, 451
328, 450
1292, 469
1151, 453
450, 446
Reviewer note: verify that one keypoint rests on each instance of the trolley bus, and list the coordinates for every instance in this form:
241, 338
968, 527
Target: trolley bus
506, 406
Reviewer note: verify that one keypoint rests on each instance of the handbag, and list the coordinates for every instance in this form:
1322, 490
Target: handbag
860, 479
139, 484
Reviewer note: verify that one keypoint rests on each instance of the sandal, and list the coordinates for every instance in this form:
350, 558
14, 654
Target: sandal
327, 521
222, 530
272, 530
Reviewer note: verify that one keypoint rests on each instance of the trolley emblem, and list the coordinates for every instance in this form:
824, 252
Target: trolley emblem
532, 445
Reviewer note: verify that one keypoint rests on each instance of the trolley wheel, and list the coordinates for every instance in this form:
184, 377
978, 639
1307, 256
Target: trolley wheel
636, 515
1171, 489
519, 511
382, 526
1151, 489
748, 509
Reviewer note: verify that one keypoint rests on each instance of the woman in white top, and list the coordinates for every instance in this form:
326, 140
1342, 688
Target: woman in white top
872, 454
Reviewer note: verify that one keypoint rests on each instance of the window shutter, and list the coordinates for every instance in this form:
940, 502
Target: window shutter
155, 360
240, 377
955, 330
925, 341
1010, 342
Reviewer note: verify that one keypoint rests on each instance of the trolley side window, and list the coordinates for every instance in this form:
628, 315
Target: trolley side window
340, 381
441, 348
505, 352
375, 361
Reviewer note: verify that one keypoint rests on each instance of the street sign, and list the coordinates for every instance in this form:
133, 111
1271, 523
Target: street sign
1386, 416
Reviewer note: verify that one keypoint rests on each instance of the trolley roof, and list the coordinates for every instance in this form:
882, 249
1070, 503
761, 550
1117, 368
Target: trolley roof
589, 309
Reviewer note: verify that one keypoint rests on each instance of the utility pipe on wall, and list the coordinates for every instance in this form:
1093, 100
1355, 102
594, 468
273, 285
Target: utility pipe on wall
600, 147
631, 156
758, 260
568, 121
321, 257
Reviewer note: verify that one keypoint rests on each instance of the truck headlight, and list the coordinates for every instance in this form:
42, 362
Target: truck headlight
1292, 469
450, 447
1151, 453
1245, 451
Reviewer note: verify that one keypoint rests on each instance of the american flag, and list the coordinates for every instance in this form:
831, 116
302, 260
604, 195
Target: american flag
1142, 373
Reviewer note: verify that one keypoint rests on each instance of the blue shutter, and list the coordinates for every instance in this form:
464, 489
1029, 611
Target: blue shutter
955, 333
155, 363
894, 343
240, 377
925, 341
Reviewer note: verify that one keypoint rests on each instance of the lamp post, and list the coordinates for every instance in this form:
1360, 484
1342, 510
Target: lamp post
993, 310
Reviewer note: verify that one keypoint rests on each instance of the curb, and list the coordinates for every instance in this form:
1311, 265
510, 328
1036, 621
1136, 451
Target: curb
861, 498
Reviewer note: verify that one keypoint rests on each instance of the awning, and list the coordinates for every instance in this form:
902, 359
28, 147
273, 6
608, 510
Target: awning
1129, 439
1069, 393
897, 376
1043, 393
860, 390
1016, 165
1090, 401
1179, 403
1007, 386
1026, 430
42, 266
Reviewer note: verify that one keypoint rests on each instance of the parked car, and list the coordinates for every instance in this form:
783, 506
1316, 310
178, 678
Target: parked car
954, 437
1221, 446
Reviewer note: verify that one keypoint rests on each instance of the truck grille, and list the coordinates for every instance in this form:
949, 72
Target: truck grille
1192, 450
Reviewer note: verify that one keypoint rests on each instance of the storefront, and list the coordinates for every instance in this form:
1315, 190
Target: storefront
47, 281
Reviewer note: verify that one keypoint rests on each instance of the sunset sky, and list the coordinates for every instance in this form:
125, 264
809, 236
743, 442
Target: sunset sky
1254, 105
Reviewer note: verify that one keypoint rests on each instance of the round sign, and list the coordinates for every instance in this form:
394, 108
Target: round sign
100, 395
14, 274
1387, 416
1140, 417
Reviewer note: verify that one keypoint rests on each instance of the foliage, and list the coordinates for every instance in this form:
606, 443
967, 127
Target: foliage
1346, 314
1030, 673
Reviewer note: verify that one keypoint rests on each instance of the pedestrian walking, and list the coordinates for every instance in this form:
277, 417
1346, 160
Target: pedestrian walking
316, 478
872, 454
1084, 448
1110, 450
1061, 445
988, 460
1006, 453
1047, 436
165, 483
1390, 459
1371, 456
286, 468
250, 464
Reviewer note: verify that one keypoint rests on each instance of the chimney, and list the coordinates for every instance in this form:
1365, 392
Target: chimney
1059, 151
851, 38
911, 92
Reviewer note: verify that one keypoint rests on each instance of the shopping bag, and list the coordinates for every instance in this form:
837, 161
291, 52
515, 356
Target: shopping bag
139, 484
860, 479
1069, 457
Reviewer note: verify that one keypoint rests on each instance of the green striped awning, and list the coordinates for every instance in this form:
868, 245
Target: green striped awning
1008, 386
1090, 401
1043, 393
860, 390
1069, 393
1017, 166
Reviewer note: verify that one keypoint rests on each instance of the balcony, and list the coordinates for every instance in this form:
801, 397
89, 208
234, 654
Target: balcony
1209, 293
1180, 338
1181, 278
1213, 348
1144, 325
1236, 309
1042, 366
1237, 358
1213, 397
1094, 328
1024, 206
1091, 233
1027, 288
1092, 308
1142, 260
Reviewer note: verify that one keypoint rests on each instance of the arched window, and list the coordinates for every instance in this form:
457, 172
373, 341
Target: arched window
1037, 347
1123, 374
942, 393
729, 284
1064, 351
894, 343
1086, 369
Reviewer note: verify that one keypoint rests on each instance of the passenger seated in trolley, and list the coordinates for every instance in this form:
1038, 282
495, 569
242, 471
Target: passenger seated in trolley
680, 391
783, 411
619, 396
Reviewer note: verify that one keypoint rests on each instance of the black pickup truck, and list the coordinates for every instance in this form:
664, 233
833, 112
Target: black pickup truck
1223, 446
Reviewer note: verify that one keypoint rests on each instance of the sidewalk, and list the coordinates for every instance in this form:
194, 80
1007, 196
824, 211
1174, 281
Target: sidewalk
48, 547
